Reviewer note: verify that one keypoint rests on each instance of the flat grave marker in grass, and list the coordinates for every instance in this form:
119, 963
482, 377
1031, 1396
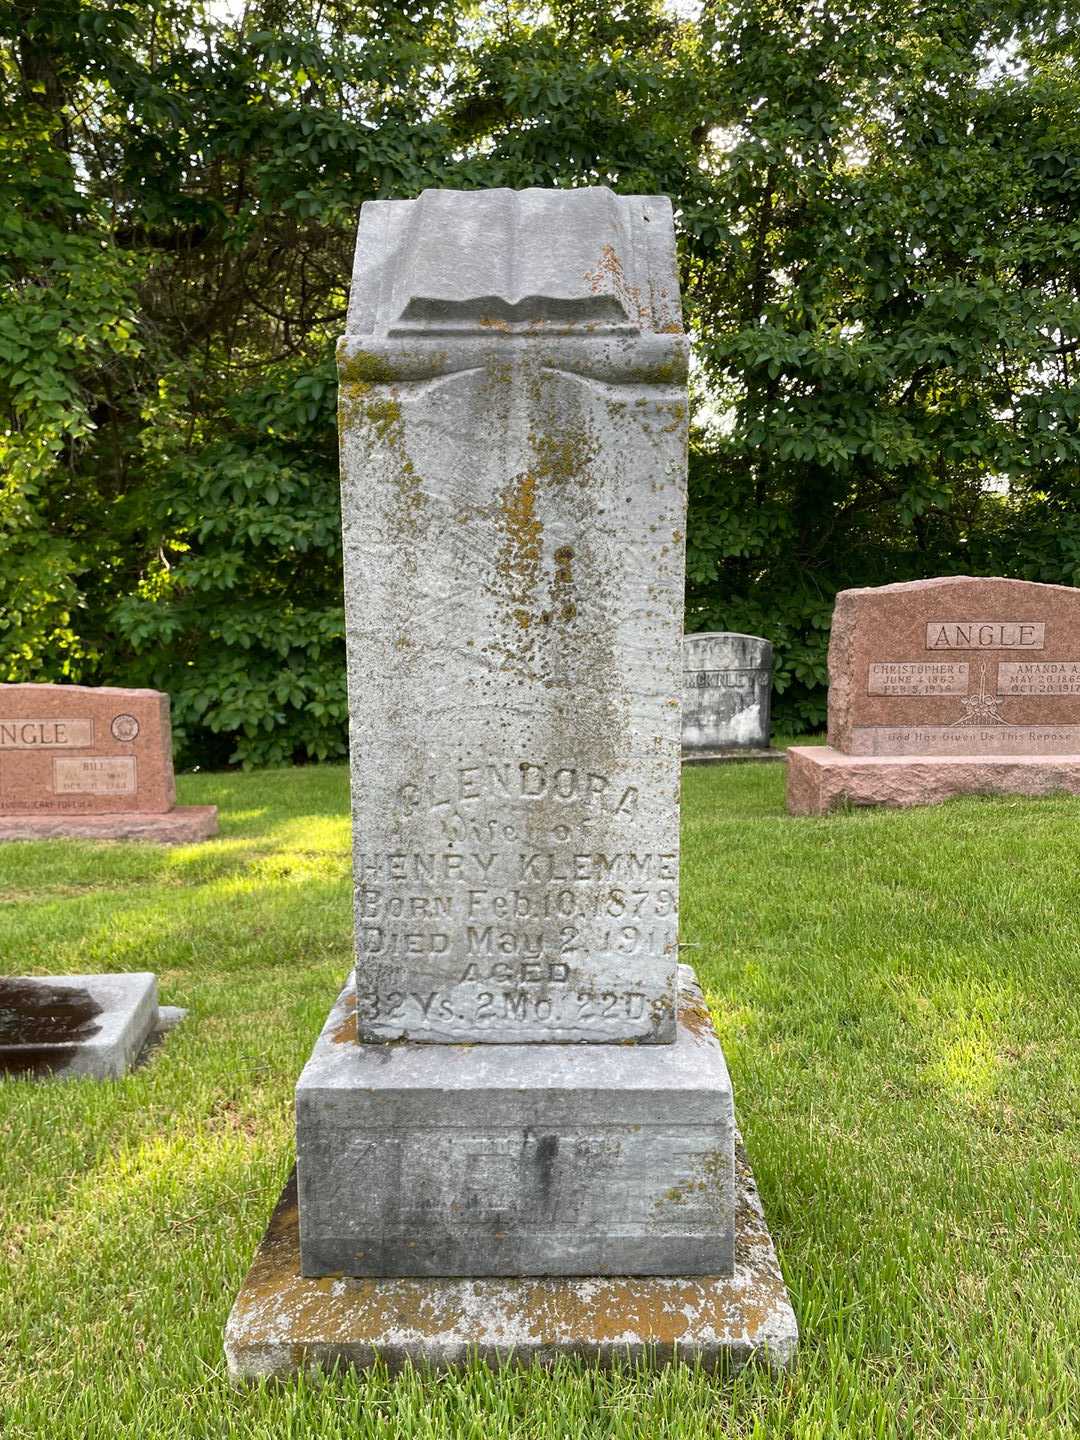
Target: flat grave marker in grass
74, 1026
946, 687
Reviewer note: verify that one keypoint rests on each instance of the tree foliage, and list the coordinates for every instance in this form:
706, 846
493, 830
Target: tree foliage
880, 241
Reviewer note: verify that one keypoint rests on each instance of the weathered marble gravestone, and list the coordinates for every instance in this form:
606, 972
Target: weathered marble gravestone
520, 1089
73, 1026
87, 762
946, 687
727, 690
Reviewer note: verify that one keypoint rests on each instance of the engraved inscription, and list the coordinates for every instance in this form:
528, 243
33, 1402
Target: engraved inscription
519, 917
985, 634
722, 679
1039, 677
525, 920
87, 775
46, 734
1000, 739
526, 781
913, 677
487, 1171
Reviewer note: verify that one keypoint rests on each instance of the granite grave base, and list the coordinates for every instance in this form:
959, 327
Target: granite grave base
282, 1324
66, 1027
185, 825
821, 779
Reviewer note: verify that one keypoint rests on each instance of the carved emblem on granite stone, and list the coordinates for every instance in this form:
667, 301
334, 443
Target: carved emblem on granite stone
982, 707
125, 727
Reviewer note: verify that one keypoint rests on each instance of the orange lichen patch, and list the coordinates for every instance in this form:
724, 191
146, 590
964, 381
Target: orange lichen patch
713, 1178
678, 419
610, 1310
283, 1322
563, 457
518, 506
346, 1031
360, 403
363, 368
519, 561
363, 407
609, 273
694, 1014
561, 593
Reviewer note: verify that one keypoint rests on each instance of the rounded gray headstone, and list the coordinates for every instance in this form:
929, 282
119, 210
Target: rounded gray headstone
727, 686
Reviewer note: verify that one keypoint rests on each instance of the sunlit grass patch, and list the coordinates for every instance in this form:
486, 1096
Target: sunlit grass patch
897, 997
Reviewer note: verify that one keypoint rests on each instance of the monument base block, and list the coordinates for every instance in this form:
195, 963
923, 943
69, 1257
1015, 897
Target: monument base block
820, 778
477, 1160
282, 1324
182, 826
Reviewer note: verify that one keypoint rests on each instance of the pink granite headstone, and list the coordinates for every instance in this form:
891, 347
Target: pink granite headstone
84, 761
944, 687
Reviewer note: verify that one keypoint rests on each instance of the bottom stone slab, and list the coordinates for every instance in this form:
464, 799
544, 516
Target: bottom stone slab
282, 1324
184, 825
820, 778
730, 757
68, 1026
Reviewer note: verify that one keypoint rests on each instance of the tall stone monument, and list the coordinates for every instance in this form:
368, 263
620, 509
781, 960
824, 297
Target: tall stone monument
94, 763
946, 687
522, 1087
727, 694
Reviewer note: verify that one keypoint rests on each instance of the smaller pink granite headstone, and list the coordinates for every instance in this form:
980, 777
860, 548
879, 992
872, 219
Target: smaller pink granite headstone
946, 687
89, 762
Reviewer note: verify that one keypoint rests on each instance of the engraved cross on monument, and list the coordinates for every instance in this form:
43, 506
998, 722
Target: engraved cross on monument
522, 1082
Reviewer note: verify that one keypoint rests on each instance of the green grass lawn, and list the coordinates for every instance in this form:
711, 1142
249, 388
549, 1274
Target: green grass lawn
897, 997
